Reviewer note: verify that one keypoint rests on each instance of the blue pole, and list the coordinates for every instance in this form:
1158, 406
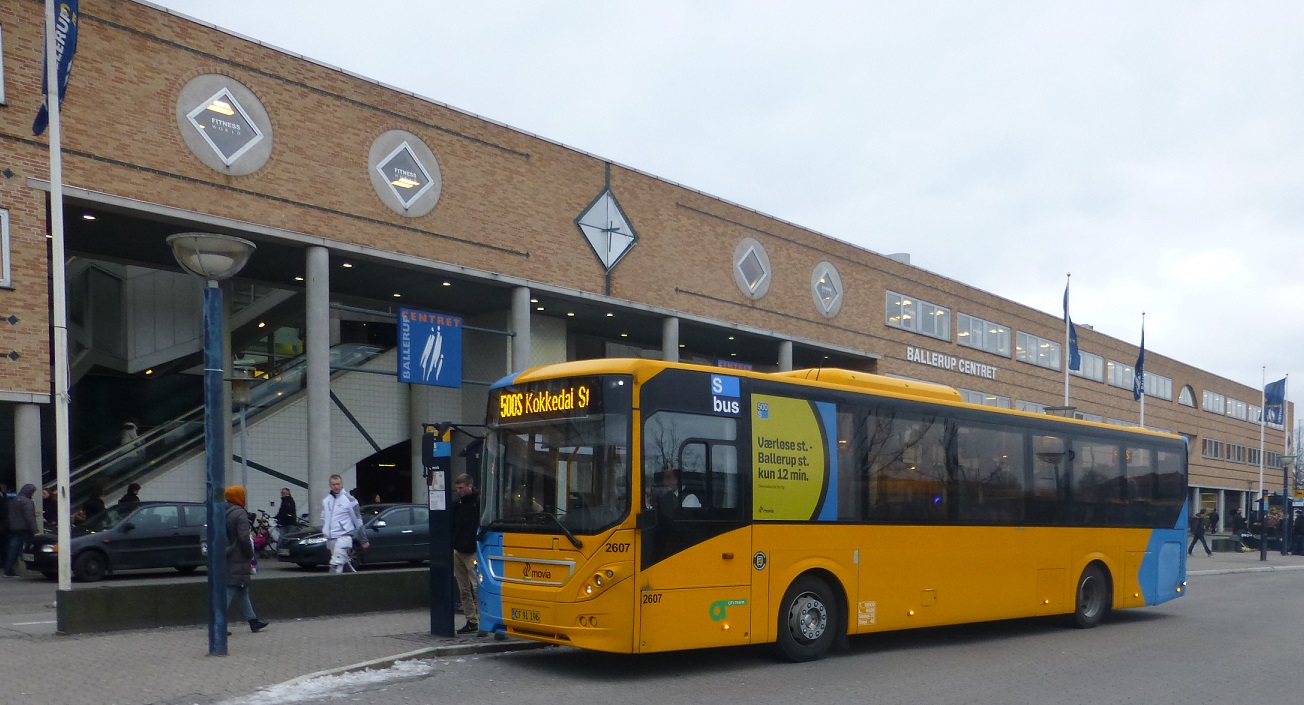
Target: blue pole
215, 457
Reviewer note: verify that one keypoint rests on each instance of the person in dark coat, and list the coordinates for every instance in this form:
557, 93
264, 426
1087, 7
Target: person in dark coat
1197, 533
466, 522
239, 555
22, 527
94, 504
287, 517
132, 496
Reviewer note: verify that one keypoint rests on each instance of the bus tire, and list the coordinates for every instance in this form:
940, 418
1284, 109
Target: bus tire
808, 619
1093, 598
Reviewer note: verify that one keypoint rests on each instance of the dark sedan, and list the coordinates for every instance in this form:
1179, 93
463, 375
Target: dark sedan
398, 533
127, 536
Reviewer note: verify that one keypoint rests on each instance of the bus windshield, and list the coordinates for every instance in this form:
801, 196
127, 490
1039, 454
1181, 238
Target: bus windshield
546, 471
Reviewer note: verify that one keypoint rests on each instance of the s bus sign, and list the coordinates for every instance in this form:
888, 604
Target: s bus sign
429, 348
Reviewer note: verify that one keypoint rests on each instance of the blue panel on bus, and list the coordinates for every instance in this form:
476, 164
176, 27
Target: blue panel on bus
828, 416
507, 381
490, 590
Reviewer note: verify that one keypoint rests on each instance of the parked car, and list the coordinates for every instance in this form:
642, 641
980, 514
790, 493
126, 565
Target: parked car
397, 532
125, 537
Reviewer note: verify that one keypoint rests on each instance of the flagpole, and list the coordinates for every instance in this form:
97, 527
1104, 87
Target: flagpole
1067, 353
1263, 418
60, 308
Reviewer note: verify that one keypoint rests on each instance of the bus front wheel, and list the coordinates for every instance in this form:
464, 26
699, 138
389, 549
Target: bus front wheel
1094, 598
808, 619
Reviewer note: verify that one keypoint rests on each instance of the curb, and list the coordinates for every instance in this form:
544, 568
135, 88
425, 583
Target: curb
1255, 569
489, 647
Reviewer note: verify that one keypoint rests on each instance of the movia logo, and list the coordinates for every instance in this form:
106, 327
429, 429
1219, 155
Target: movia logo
724, 394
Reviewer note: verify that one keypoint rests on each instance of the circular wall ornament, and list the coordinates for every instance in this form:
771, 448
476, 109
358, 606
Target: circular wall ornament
405, 173
751, 268
826, 289
224, 124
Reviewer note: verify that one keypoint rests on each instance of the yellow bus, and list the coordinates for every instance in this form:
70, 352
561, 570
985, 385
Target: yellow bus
638, 506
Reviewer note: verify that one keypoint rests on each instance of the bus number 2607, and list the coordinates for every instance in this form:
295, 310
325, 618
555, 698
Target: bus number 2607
651, 598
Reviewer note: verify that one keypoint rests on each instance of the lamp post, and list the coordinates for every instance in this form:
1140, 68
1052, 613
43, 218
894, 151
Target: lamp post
213, 258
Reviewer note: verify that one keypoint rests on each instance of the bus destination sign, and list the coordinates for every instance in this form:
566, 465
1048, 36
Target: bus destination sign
570, 398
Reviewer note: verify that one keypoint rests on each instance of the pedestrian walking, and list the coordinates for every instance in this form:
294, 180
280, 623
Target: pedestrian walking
340, 520
1197, 533
133, 494
466, 521
22, 526
1213, 521
239, 555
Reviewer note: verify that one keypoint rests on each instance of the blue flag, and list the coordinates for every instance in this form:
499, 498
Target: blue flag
66, 16
1075, 357
1274, 402
1139, 371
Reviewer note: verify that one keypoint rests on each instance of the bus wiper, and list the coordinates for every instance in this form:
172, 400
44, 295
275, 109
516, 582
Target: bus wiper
549, 515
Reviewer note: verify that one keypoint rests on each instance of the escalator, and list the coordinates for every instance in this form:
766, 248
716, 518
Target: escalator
182, 437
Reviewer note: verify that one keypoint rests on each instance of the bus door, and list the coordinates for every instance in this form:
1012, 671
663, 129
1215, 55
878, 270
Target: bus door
695, 542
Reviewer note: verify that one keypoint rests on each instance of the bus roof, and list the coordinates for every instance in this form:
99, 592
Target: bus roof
850, 380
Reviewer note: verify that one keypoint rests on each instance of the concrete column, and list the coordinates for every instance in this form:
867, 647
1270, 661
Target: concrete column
232, 468
785, 355
418, 406
318, 354
670, 339
520, 328
27, 450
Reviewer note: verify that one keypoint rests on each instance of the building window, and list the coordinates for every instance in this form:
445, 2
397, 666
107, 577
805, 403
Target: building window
1089, 417
1121, 422
1255, 414
1237, 409
1212, 449
912, 314
1213, 401
1038, 351
1093, 367
984, 399
1118, 374
1187, 397
1031, 406
2, 64
974, 332
5, 279
1159, 386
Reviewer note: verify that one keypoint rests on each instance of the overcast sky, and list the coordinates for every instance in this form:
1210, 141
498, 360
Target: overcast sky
1153, 149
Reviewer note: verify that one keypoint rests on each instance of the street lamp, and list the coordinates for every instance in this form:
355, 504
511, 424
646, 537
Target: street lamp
213, 258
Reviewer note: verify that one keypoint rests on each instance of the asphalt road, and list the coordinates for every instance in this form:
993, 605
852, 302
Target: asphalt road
1234, 638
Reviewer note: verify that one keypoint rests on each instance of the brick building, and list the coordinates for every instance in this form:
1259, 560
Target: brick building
363, 198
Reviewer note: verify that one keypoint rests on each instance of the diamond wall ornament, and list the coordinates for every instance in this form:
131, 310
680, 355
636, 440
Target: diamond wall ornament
607, 229
751, 267
225, 126
826, 288
407, 177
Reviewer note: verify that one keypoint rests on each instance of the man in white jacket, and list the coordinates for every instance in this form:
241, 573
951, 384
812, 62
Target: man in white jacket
339, 521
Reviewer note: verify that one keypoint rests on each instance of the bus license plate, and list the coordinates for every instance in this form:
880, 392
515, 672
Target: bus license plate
525, 615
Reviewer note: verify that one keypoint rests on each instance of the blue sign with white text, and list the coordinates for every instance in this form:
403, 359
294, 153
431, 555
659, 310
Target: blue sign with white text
429, 348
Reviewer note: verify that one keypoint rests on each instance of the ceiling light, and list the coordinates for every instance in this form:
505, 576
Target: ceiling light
88, 216
731, 337
534, 301
570, 313
624, 335
398, 295
221, 107
682, 345
540, 308
610, 314
150, 371
298, 279
448, 283
347, 265
262, 324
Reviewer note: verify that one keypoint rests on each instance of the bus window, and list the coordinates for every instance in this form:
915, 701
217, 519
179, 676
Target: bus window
989, 475
907, 467
1097, 484
1049, 485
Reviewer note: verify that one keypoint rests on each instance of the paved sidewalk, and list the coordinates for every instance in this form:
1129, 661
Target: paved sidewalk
171, 666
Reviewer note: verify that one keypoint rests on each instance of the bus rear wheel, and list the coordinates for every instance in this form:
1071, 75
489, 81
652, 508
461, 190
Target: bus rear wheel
1094, 598
808, 619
